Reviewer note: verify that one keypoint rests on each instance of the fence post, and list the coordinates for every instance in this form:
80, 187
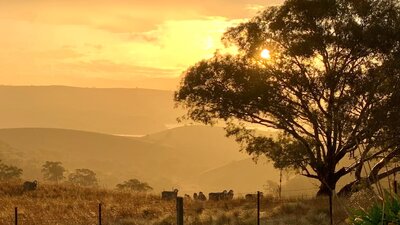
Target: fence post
395, 186
331, 207
179, 210
99, 213
16, 215
258, 208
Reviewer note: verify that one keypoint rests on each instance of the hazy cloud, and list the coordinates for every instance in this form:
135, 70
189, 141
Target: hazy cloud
110, 67
122, 16
73, 41
62, 53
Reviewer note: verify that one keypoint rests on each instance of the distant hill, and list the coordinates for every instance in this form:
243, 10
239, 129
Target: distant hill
206, 146
191, 158
114, 158
244, 176
112, 110
165, 160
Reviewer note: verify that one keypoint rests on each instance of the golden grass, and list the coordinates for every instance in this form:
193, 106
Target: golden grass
69, 205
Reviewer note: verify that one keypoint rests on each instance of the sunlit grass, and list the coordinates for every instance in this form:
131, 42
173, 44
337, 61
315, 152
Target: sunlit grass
67, 204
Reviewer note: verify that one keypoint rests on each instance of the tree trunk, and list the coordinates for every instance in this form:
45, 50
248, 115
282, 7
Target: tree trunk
327, 186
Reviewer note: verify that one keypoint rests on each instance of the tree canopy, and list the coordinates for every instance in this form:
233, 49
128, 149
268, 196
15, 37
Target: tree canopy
83, 177
9, 172
331, 87
53, 171
135, 185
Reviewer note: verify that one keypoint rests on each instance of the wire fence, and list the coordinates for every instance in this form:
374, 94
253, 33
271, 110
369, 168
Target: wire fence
180, 211
100, 214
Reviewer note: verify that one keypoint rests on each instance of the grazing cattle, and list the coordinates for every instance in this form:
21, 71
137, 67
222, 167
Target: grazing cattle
169, 195
229, 195
30, 186
217, 196
214, 196
202, 197
251, 197
199, 197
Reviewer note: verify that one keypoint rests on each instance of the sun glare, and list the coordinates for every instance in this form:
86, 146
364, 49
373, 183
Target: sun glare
265, 54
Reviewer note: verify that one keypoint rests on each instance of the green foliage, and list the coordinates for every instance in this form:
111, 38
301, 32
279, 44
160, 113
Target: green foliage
135, 185
332, 83
9, 172
53, 171
83, 177
387, 212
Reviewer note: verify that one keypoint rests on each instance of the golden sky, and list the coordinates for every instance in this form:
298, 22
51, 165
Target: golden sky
112, 43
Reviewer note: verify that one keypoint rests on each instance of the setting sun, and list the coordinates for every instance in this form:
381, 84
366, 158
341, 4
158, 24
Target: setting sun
265, 54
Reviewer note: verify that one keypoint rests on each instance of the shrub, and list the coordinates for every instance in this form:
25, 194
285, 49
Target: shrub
386, 212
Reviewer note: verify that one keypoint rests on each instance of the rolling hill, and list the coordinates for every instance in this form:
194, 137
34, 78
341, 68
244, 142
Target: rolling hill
191, 158
174, 158
105, 110
243, 176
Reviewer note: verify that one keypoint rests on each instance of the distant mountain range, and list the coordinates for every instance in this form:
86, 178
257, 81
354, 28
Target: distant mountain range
113, 111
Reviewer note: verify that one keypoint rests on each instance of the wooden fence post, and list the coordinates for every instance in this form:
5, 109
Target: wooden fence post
258, 208
99, 213
16, 215
331, 207
179, 211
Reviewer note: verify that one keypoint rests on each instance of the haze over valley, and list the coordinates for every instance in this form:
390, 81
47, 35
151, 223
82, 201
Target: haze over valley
122, 134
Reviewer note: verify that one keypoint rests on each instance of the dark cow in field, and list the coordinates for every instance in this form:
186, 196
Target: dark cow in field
251, 197
229, 195
201, 197
218, 196
169, 195
30, 186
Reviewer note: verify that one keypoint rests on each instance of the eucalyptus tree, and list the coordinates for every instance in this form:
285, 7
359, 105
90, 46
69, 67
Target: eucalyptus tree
329, 85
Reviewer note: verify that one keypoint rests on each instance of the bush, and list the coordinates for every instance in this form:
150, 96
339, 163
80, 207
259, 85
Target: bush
386, 212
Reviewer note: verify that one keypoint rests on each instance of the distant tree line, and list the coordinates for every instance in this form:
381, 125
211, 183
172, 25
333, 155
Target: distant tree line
54, 171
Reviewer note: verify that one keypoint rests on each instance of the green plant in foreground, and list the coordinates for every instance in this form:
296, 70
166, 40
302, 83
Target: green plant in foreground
386, 213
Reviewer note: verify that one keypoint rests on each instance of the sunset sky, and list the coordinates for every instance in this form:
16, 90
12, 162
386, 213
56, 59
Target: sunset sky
112, 43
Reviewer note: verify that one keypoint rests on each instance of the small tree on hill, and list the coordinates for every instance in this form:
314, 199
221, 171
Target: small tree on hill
53, 171
83, 177
8, 172
135, 185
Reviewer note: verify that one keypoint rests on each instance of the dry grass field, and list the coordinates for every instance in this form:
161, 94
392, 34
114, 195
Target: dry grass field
70, 205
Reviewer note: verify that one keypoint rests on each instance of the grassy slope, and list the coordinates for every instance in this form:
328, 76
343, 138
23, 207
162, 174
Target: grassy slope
70, 205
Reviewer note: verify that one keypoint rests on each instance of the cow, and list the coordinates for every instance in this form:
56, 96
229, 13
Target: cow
217, 196
169, 195
201, 197
251, 197
214, 196
229, 195
30, 186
